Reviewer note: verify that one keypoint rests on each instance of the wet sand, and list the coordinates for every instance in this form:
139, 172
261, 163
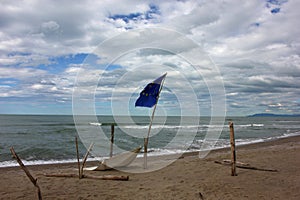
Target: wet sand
186, 178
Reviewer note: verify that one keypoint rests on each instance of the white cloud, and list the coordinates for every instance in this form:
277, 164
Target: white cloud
256, 50
20, 73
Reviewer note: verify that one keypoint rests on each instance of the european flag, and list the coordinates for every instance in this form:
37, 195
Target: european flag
149, 96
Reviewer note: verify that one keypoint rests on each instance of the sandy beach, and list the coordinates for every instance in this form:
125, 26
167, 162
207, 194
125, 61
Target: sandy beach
186, 178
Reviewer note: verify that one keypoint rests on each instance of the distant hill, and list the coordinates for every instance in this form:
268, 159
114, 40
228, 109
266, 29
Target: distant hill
272, 115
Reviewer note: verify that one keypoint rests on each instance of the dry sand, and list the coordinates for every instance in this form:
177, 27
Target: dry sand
186, 178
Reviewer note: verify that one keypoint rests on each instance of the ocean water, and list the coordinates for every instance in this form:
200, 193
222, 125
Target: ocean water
44, 139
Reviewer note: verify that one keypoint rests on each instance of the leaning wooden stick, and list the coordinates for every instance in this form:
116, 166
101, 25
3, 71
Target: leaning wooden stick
33, 180
77, 153
84, 160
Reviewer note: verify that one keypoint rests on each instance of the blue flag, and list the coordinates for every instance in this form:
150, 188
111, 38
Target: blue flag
149, 96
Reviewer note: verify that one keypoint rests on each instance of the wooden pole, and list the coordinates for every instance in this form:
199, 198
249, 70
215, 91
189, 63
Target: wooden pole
145, 151
146, 140
33, 180
233, 155
112, 139
77, 152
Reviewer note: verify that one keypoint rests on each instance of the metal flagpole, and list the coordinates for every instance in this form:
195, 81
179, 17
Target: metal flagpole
146, 140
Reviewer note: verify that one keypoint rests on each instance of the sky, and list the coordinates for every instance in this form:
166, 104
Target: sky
83, 57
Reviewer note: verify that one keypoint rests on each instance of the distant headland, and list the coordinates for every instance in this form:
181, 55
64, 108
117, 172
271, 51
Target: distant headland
273, 115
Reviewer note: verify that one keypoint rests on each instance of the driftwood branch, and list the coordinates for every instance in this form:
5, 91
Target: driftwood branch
108, 177
33, 180
237, 162
77, 153
104, 177
201, 196
243, 166
84, 160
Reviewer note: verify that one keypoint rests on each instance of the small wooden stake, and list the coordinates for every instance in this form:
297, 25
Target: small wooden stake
112, 139
78, 162
33, 180
233, 155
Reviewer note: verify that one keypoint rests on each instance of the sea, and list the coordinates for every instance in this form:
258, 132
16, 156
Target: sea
47, 139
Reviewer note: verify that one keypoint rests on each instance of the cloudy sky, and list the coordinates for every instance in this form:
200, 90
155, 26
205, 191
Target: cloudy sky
105, 52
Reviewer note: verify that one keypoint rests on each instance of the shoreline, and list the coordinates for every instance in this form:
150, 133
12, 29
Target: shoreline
186, 178
272, 141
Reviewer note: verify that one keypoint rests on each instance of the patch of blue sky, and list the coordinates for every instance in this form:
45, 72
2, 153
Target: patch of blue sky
277, 2
32, 106
93, 61
59, 64
271, 3
113, 67
255, 24
127, 18
154, 10
274, 5
8, 81
148, 15
275, 10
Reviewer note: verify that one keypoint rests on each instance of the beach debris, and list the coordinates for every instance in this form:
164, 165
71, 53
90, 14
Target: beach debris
32, 179
120, 160
77, 153
201, 196
84, 159
235, 164
246, 166
81, 168
103, 177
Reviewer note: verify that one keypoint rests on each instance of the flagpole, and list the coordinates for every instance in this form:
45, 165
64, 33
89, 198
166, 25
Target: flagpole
146, 140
